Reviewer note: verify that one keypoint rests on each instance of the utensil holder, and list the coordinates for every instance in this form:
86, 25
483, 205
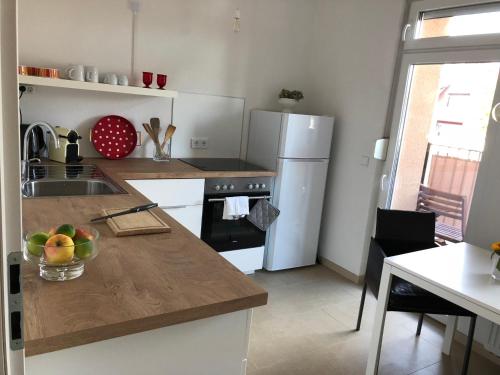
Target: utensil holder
163, 154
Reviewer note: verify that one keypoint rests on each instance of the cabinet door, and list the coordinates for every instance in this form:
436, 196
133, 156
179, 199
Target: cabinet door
188, 216
171, 192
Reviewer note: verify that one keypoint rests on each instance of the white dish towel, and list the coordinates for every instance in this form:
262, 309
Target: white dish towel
235, 208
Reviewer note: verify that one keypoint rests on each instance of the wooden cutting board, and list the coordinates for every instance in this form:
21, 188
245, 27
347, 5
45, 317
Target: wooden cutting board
145, 222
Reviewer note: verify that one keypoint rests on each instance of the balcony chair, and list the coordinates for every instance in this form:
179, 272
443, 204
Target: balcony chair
444, 204
401, 232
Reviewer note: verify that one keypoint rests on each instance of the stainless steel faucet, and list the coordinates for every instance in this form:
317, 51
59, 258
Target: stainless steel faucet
25, 162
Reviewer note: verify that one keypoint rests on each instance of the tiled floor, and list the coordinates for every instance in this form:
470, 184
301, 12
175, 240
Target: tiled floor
307, 328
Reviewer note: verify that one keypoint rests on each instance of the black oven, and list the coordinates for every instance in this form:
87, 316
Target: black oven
226, 235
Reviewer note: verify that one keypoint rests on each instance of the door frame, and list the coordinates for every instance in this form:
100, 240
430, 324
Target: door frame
479, 55
12, 361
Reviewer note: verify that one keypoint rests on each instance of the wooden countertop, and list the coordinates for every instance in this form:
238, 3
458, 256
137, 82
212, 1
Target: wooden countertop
136, 283
136, 169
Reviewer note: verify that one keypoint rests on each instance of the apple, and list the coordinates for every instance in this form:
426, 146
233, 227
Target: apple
59, 249
66, 229
83, 248
81, 233
36, 243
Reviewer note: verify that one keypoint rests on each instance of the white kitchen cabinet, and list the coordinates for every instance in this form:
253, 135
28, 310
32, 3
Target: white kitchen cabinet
182, 199
171, 192
211, 346
189, 216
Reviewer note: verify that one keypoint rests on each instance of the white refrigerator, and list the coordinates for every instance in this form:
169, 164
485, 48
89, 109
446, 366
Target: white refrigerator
298, 148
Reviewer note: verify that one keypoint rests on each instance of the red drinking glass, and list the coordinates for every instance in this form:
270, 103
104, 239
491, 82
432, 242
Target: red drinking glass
161, 80
147, 79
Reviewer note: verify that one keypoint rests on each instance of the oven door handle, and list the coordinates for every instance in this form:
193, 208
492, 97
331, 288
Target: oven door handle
172, 207
251, 198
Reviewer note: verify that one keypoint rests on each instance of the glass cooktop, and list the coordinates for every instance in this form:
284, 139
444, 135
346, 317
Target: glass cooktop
221, 164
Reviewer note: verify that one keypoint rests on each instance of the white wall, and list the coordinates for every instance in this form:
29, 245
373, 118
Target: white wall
356, 46
190, 40
483, 227
219, 119
484, 219
81, 110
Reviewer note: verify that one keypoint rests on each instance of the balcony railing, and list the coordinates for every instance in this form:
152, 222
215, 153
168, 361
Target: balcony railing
452, 170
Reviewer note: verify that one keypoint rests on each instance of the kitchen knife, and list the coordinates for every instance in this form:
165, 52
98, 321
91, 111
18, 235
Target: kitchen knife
133, 210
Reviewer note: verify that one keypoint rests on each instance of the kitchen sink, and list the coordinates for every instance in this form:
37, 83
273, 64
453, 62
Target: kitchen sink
67, 180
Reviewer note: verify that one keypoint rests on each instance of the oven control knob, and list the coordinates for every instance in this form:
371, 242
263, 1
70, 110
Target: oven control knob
263, 186
250, 186
217, 187
224, 187
257, 186
231, 187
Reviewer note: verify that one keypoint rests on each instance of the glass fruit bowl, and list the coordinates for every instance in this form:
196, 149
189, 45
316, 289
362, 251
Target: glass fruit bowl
61, 253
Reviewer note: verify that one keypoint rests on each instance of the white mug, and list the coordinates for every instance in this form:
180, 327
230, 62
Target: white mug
110, 79
75, 72
91, 74
123, 80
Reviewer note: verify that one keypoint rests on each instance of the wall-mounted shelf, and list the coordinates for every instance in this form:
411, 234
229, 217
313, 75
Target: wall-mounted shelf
90, 86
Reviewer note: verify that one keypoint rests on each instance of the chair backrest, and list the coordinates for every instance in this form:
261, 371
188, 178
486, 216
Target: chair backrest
405, 226
442, 204
397, 232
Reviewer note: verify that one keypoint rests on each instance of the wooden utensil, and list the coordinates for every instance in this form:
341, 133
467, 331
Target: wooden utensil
146, 127
168, 134
155, 124
150, 131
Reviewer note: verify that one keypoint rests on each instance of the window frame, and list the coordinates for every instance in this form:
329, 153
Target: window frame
410, 43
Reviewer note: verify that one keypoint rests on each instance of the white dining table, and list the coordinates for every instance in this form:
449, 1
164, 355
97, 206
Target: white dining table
459, 273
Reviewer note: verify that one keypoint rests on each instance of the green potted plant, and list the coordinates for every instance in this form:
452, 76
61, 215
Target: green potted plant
289, 98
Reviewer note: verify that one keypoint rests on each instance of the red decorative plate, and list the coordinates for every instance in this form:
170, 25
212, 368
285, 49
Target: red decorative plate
114, 137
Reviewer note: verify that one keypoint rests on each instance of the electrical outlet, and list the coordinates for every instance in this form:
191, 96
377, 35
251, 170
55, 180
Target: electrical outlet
199, 142
27, 89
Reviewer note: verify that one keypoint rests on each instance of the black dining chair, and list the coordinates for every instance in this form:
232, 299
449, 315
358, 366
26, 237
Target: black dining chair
400, 232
